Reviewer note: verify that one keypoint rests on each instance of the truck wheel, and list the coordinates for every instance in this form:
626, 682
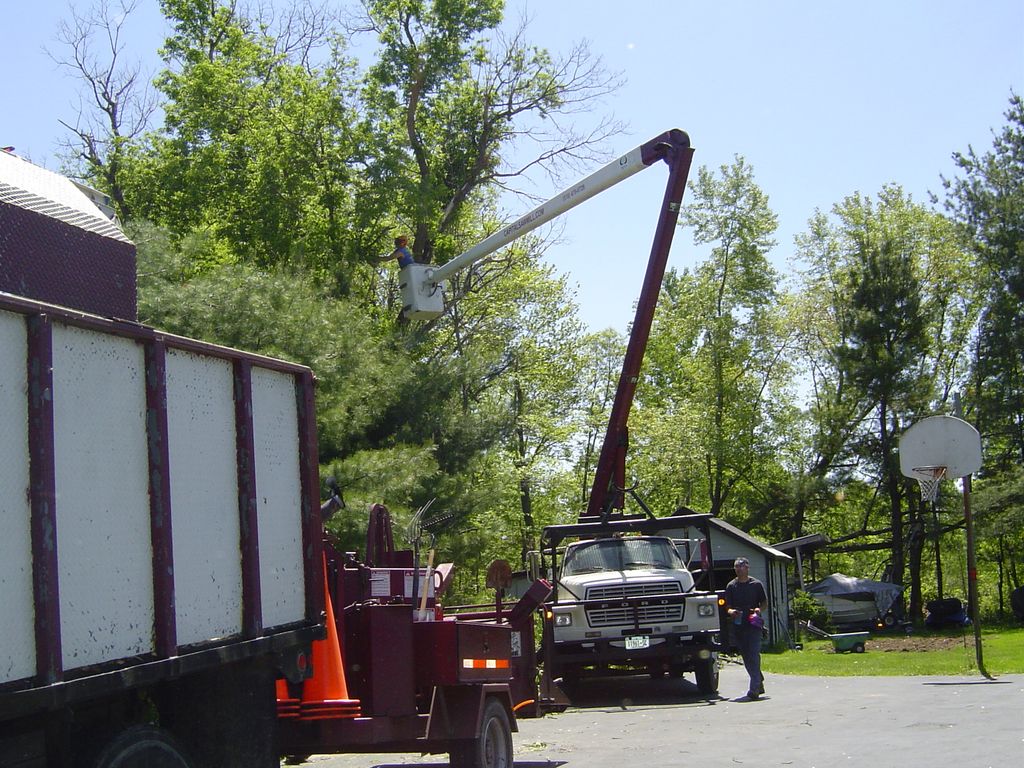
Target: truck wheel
142, 746
706, 673
493, 748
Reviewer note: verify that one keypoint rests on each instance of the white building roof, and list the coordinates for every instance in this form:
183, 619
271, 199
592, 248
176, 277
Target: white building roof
37, 189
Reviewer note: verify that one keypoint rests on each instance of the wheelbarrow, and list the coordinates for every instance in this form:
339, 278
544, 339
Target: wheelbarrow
842, 642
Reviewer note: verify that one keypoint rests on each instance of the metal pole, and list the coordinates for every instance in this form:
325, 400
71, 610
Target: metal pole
972, 577
972, 566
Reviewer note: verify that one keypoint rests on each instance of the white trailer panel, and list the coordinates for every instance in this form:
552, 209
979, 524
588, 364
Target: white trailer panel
102, 482
279, 497
204, 497
17, 638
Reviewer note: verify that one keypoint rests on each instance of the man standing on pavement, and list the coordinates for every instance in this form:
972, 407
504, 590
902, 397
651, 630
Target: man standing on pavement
744, 599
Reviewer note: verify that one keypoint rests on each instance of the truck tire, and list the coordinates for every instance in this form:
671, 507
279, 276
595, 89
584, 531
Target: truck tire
142, 746
706, 673
492, 748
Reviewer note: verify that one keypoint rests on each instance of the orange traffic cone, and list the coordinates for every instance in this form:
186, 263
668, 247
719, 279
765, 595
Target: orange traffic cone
287, 705
325, 694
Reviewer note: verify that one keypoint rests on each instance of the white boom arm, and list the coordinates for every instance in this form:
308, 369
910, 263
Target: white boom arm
422, 284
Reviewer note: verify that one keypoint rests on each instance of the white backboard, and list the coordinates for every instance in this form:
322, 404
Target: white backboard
941, 441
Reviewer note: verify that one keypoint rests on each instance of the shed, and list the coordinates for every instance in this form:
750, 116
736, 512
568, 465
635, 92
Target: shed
767, 564
799, 547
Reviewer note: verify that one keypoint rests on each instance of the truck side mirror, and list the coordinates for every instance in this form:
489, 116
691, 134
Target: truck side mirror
533, 565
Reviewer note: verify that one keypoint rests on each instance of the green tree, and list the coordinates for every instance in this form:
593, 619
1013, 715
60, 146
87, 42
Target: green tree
840, 404
274, 186
283, 314
893, 312
988, 202
257, 145
887, 337
714, 379
999, 506
601, 355
516, 340
452, 101
835, 408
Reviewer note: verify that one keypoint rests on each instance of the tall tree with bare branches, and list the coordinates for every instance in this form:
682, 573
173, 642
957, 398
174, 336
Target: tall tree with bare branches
458, 106
118, 102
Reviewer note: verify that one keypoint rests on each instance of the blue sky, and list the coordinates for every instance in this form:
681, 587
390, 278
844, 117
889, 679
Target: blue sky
822, 98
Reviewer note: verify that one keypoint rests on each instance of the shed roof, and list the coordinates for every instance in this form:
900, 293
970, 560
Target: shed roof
808, 543
746, 537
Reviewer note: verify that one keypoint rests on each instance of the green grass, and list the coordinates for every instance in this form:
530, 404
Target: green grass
1002, 653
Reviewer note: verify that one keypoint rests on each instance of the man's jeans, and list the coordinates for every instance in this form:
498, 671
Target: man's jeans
748, 639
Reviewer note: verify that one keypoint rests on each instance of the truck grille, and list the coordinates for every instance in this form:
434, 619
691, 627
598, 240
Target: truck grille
618, 591
612, 615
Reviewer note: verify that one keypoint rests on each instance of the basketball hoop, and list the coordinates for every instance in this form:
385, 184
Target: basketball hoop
929, 479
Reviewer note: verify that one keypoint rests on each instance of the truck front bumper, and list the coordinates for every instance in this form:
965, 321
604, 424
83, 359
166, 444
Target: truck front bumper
674, 649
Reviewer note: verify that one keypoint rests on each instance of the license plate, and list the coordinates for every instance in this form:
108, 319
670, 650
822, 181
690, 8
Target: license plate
636, 642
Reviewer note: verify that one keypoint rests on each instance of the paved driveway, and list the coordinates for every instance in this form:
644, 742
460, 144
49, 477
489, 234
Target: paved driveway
802, 722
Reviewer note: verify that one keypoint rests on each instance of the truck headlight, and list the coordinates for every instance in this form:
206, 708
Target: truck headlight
705, 609
563, 620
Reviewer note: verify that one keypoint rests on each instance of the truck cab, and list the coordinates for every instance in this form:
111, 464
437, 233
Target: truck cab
625, 601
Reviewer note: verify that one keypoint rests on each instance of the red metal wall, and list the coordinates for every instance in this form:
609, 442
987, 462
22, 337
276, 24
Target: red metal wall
45, 259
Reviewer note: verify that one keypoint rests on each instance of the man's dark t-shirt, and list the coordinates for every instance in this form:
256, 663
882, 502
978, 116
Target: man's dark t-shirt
745, 596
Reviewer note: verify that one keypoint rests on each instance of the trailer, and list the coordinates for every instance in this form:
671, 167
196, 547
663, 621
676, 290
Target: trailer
396, 674
160, 540
168, 592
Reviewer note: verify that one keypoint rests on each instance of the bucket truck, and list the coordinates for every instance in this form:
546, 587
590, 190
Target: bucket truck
619, 604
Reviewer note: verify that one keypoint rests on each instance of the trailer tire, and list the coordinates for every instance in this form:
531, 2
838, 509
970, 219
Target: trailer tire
706, 673
142, 746
858, 647
493, 747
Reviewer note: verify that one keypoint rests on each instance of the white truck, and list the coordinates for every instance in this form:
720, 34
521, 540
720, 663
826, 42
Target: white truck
625, 600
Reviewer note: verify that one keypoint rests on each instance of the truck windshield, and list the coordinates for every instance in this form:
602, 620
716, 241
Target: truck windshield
620, 555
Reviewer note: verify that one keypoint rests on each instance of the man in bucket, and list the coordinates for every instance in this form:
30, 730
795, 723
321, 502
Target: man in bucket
744, 599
